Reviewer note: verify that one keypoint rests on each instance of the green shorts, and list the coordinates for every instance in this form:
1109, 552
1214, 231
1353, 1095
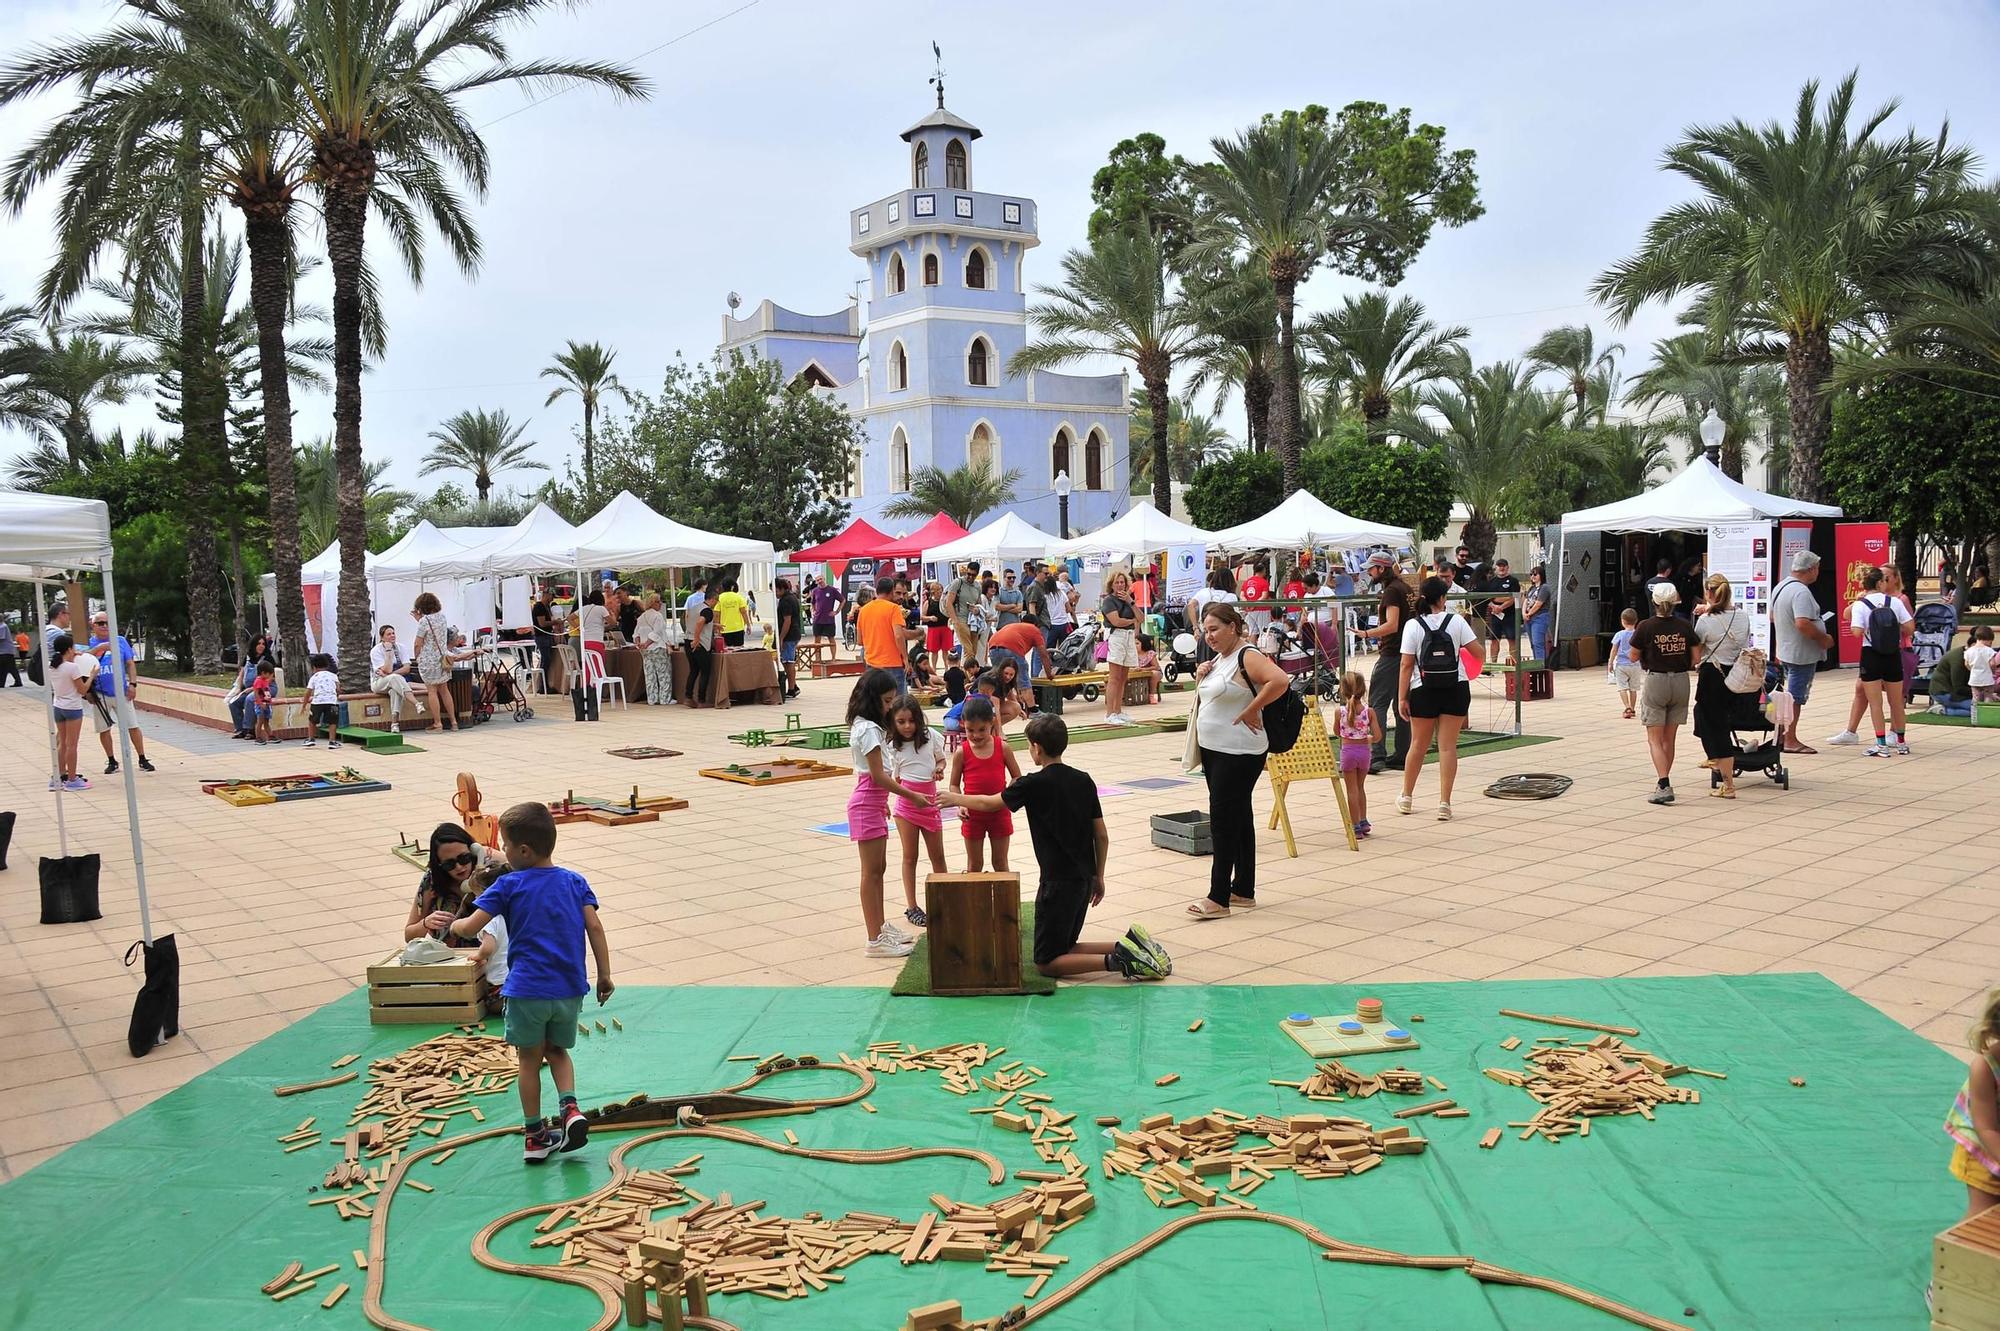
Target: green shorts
543, 1021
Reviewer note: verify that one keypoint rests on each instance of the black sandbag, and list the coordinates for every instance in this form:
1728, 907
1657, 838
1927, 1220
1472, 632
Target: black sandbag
69, 889
156, 1011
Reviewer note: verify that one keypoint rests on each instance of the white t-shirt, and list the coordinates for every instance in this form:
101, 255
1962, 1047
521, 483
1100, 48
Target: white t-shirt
592, 619
863, 738
1224, 692
1320, 614
325, 686
914, 762
1458, 629
384, 659
69, 681
1979, 660
496, 965
1857, 614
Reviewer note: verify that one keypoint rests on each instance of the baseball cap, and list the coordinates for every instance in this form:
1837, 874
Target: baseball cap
1380, 559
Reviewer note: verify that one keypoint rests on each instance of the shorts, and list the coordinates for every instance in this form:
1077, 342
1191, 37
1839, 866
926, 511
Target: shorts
103, 713
1799, 681
326, 713
930, 817
1501, 626
1879, 667
63, 715
867, 810
1059, 911
1123, 649
788, 652
1626, 676
976, 823
822, 628
1355, 755
1428, 702
1663, 699
1968, 1171
938, 640
261, 710
544, 1021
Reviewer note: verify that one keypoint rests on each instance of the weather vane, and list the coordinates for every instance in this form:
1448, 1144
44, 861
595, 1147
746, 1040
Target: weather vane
937, 79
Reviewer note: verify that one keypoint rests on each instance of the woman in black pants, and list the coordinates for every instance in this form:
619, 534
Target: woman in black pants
700, 624
1234, 688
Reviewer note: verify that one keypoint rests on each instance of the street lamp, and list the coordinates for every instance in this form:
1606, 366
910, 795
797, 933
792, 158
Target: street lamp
1712, 430
1062, 502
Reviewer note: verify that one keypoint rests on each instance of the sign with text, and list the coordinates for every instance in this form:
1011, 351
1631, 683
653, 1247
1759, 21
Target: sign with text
1741, 552
1857, 547
1187, 571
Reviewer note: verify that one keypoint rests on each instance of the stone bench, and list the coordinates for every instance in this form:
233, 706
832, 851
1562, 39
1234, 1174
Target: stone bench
205, 705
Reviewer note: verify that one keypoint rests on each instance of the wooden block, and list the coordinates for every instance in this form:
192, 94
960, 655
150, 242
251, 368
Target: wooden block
933, 1316
1511, 1042
1167, 1080
975, 932
1195, 1025
1152, 1122
301, 1288
284, 1277
1798, 1081
339, 1292
1490, 1140
1011, 1122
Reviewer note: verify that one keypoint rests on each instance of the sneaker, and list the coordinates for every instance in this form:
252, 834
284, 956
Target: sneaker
1664, 795
540, 1144
333, 744
1135, 963
1935, 709
312, 743
395, 729
1903, 747
1844, 737
890, 929
1404, 804
915, 915
575, 1128
1444, 813
76, 783
1118, 719
1363, 828
110, 767
887, 945
1141, 938
146, 764
1878, 750
55, 783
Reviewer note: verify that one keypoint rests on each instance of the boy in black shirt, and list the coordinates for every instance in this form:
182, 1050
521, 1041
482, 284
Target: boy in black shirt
1071, 843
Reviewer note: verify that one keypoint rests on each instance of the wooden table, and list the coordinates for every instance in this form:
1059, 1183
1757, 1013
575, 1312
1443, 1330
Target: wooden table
817, 654
740, 675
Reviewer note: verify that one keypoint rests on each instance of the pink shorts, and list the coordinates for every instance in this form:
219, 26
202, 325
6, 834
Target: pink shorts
931, 817
976, 823
1354, 756
867, 810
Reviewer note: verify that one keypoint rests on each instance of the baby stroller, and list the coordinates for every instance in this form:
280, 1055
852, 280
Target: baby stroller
1754, 735
500, 687
1936, 623
1078, 651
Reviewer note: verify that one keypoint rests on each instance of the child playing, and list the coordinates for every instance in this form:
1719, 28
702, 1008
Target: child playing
984, 685
918, 671
1149, 659
916, 759
1979, 665
1624, 674
1974, 1121
549, 912
1358, 727
263, 693
325, 687
983, 765
874, 698
1071, 845
955, 680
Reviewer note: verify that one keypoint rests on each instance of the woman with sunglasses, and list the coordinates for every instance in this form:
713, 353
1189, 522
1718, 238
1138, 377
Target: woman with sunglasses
447, 888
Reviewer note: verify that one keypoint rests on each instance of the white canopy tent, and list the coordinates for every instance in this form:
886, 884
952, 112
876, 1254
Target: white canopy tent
394, 581
1008, 536
1143, 530
538, 543
42, 538
1696, 499
626, 533
1306, 522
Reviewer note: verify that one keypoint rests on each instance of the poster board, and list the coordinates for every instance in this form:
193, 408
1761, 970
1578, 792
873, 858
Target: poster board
1741, 552
1187, 571
1857, 547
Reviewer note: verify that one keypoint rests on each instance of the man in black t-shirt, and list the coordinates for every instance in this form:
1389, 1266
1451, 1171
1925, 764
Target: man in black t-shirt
1066, 822
1392, 611
790, 630
1500, 612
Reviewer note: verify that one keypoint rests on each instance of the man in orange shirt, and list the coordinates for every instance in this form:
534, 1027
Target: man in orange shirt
884, 633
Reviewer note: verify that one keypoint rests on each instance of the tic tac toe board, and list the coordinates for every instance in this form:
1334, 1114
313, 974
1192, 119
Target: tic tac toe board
777, 772
644, 751
637, 808
1323, 1039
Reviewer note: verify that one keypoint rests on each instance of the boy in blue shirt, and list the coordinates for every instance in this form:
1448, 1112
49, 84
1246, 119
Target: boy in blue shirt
550, 912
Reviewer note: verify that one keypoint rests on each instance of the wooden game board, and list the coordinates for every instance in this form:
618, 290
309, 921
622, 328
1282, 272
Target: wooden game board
644, 751
1322, 1040
635, 808
300, 786
777, 772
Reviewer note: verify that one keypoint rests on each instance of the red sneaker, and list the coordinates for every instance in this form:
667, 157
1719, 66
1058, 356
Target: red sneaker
541, 1143
575, 1129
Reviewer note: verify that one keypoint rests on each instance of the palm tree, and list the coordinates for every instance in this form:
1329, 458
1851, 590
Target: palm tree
1267, 195
1237, 313
1572, 352
1684, 375
1966, 328
71, 375
1192, 439
961, 494
585, 370
1802, 233
17, 353
380, 85
320, 503
1485, 422
484, 443
1631, 457
1119, 300
1372, 350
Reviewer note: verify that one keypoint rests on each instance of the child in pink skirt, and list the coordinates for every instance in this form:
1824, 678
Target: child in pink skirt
1357, 727
868, 709
915, 757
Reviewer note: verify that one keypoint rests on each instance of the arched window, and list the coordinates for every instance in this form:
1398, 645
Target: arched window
976, 271
899, 368
920, 167
812, 376
1093, 461
1059, 455
979, 450
899, 462
979, 363
930, 270
899, 276
954, 165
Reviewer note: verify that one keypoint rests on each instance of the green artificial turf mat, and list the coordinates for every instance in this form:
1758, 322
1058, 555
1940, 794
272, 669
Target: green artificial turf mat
1928, 719
1767, 1207
915, 979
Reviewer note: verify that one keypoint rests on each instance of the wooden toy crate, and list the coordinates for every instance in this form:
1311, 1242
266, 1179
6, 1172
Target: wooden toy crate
1965, 1275
1530, 685
444, 993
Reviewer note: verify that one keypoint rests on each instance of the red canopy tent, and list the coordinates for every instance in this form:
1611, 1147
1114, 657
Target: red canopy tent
935, 532
859, 540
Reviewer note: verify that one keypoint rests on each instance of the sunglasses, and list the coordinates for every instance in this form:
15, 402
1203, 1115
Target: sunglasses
459, 861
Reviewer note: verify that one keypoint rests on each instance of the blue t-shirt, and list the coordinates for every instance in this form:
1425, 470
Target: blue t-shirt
110, 680
545, 937
1621, 642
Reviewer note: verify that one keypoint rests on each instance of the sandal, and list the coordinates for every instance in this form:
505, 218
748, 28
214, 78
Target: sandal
1724, 792
1628, 713
1241, 903
1208, 910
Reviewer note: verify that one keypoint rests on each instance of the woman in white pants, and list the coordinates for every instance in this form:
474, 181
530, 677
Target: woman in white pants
388, 673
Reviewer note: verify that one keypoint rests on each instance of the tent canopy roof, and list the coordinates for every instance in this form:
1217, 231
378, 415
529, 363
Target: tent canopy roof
859, 539
526, 547
44, 534
1143, 530
1304, 521
1699, 497
1008, 536
627, 533
935, 532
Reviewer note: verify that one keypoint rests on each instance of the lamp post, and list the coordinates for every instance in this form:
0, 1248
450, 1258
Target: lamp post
1712, 431
1062, 502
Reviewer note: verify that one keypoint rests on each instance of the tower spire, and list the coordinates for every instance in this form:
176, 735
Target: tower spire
937, 78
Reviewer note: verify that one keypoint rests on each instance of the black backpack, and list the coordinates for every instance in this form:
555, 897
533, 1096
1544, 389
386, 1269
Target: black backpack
1885, 632
1437, 654
1283, 718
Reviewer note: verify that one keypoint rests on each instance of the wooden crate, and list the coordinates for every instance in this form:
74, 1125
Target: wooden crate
974, 932
1965, 1275
447, 992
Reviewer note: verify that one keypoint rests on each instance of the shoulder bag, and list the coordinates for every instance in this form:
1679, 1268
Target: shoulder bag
1746, 673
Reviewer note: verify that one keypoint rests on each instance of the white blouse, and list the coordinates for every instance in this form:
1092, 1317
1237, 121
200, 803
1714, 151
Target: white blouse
910, 763
1224, 692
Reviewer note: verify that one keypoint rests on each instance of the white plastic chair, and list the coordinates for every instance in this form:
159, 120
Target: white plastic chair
595, 677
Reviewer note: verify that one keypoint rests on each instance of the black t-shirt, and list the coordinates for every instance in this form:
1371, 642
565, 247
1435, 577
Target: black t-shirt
934, 616
628, 618
1062, 808
1502, 582
545, 623
1395, 594
788, 615
954, 684
1665, 645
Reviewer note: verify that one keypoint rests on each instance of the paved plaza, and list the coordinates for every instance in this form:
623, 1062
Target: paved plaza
1867, 871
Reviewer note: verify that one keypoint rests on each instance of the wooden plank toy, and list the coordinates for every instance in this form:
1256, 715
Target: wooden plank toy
777, 772
975, 933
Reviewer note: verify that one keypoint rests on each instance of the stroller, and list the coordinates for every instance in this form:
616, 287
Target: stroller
1755, 736
1078, 652
1937, 621
500, 687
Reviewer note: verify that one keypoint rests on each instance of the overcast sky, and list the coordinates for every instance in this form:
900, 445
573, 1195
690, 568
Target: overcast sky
629, 224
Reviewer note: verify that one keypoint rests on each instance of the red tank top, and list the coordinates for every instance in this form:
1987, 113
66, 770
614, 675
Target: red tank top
984, 776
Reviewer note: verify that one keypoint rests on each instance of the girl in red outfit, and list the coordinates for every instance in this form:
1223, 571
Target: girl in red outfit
983, 765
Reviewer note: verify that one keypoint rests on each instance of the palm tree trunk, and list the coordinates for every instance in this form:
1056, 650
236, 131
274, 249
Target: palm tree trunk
346, 218
1285, 400
1375, 413
267, 234
203, 411
238, 596
1156, 402
589, 452
1732, 454
1479, 535
1257, 409
1808, 366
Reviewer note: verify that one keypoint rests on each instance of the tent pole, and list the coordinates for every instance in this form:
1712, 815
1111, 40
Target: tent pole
121, 717
48, 682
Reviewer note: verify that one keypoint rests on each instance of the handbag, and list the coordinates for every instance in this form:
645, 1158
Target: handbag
156, 1011
69, 889
1191, 754
1746, 672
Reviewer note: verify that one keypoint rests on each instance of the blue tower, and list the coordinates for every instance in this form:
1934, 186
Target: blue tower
926, 368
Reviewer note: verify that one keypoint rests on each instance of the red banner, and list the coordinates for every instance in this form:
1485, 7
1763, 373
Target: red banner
1857, 547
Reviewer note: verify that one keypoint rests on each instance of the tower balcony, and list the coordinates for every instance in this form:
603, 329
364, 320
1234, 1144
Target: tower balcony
959, 211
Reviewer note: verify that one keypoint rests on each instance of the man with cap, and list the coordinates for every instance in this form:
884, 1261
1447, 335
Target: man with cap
1798, 638
114, 692
1383, 684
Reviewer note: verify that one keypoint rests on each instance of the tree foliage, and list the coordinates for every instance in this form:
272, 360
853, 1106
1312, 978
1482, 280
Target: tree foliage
1141, 183
1234, 488
1404, 486
961, 494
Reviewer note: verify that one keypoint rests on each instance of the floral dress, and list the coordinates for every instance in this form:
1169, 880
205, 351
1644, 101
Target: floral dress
431, 665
